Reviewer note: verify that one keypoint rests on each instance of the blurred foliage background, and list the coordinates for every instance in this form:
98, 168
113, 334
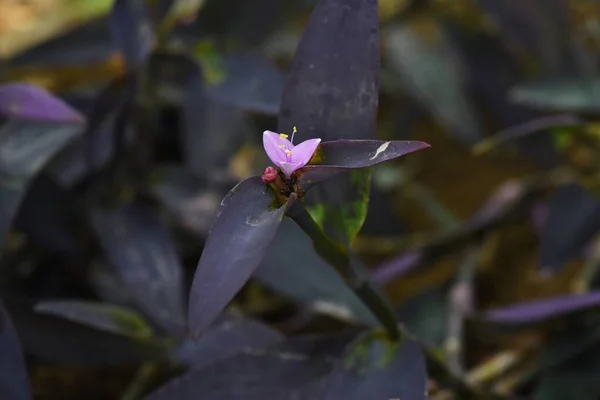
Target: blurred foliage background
487, 242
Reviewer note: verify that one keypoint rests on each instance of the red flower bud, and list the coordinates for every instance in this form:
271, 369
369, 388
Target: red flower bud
269, 175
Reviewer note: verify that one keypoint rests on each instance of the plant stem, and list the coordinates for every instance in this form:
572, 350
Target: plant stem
349, 268
139, 385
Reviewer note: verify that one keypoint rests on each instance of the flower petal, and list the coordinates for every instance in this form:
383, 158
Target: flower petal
302, 153
271, 143
288, 168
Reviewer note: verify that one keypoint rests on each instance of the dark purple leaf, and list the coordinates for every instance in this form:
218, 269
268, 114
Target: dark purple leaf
14, 380
342, 155
372, 369
44, 336
83, 45
250, 82
144, 257
25, 101
332, 93
46, 216
309, 279
242, 232
189, 198
227, 337
101, 316
213, 132
541, 310
573, 219
333, 87
132, 30
10, 197
26, 146
98, 144
295, 369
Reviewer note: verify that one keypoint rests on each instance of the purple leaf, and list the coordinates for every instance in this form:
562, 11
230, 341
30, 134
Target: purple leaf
228, 336
540, 310
44, 336
342, 155
143, 255
374, 371
239, 237
14, 380
25, 101
131, 29
294, 369
250, 83
573, 220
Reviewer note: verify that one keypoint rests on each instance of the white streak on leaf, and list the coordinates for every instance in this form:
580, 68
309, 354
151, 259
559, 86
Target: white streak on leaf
380, 150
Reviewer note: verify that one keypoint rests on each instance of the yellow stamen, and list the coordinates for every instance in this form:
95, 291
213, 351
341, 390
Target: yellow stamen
283, 136
288, 152
293, 133
282, 146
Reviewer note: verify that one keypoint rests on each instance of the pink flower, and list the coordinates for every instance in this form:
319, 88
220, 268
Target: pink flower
285, 155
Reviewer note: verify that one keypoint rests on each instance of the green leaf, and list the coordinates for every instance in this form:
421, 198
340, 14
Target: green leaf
104, 317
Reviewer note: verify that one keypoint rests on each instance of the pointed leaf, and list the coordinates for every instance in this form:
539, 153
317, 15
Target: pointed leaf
340, 155
250, 83
14, 379
98, 143
44, 336
190, 199
309, 279
379, 370
540, 310
568, 94
432, 75
228, 336
144, 257
104, 317
131, 28
333, 85
332, 93
213, 131
573, 220
25, 101
240, 235
295, 369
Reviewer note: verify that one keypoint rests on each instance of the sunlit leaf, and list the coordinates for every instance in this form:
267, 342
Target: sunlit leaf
14, 380
144, 257
104, 317
245, 225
